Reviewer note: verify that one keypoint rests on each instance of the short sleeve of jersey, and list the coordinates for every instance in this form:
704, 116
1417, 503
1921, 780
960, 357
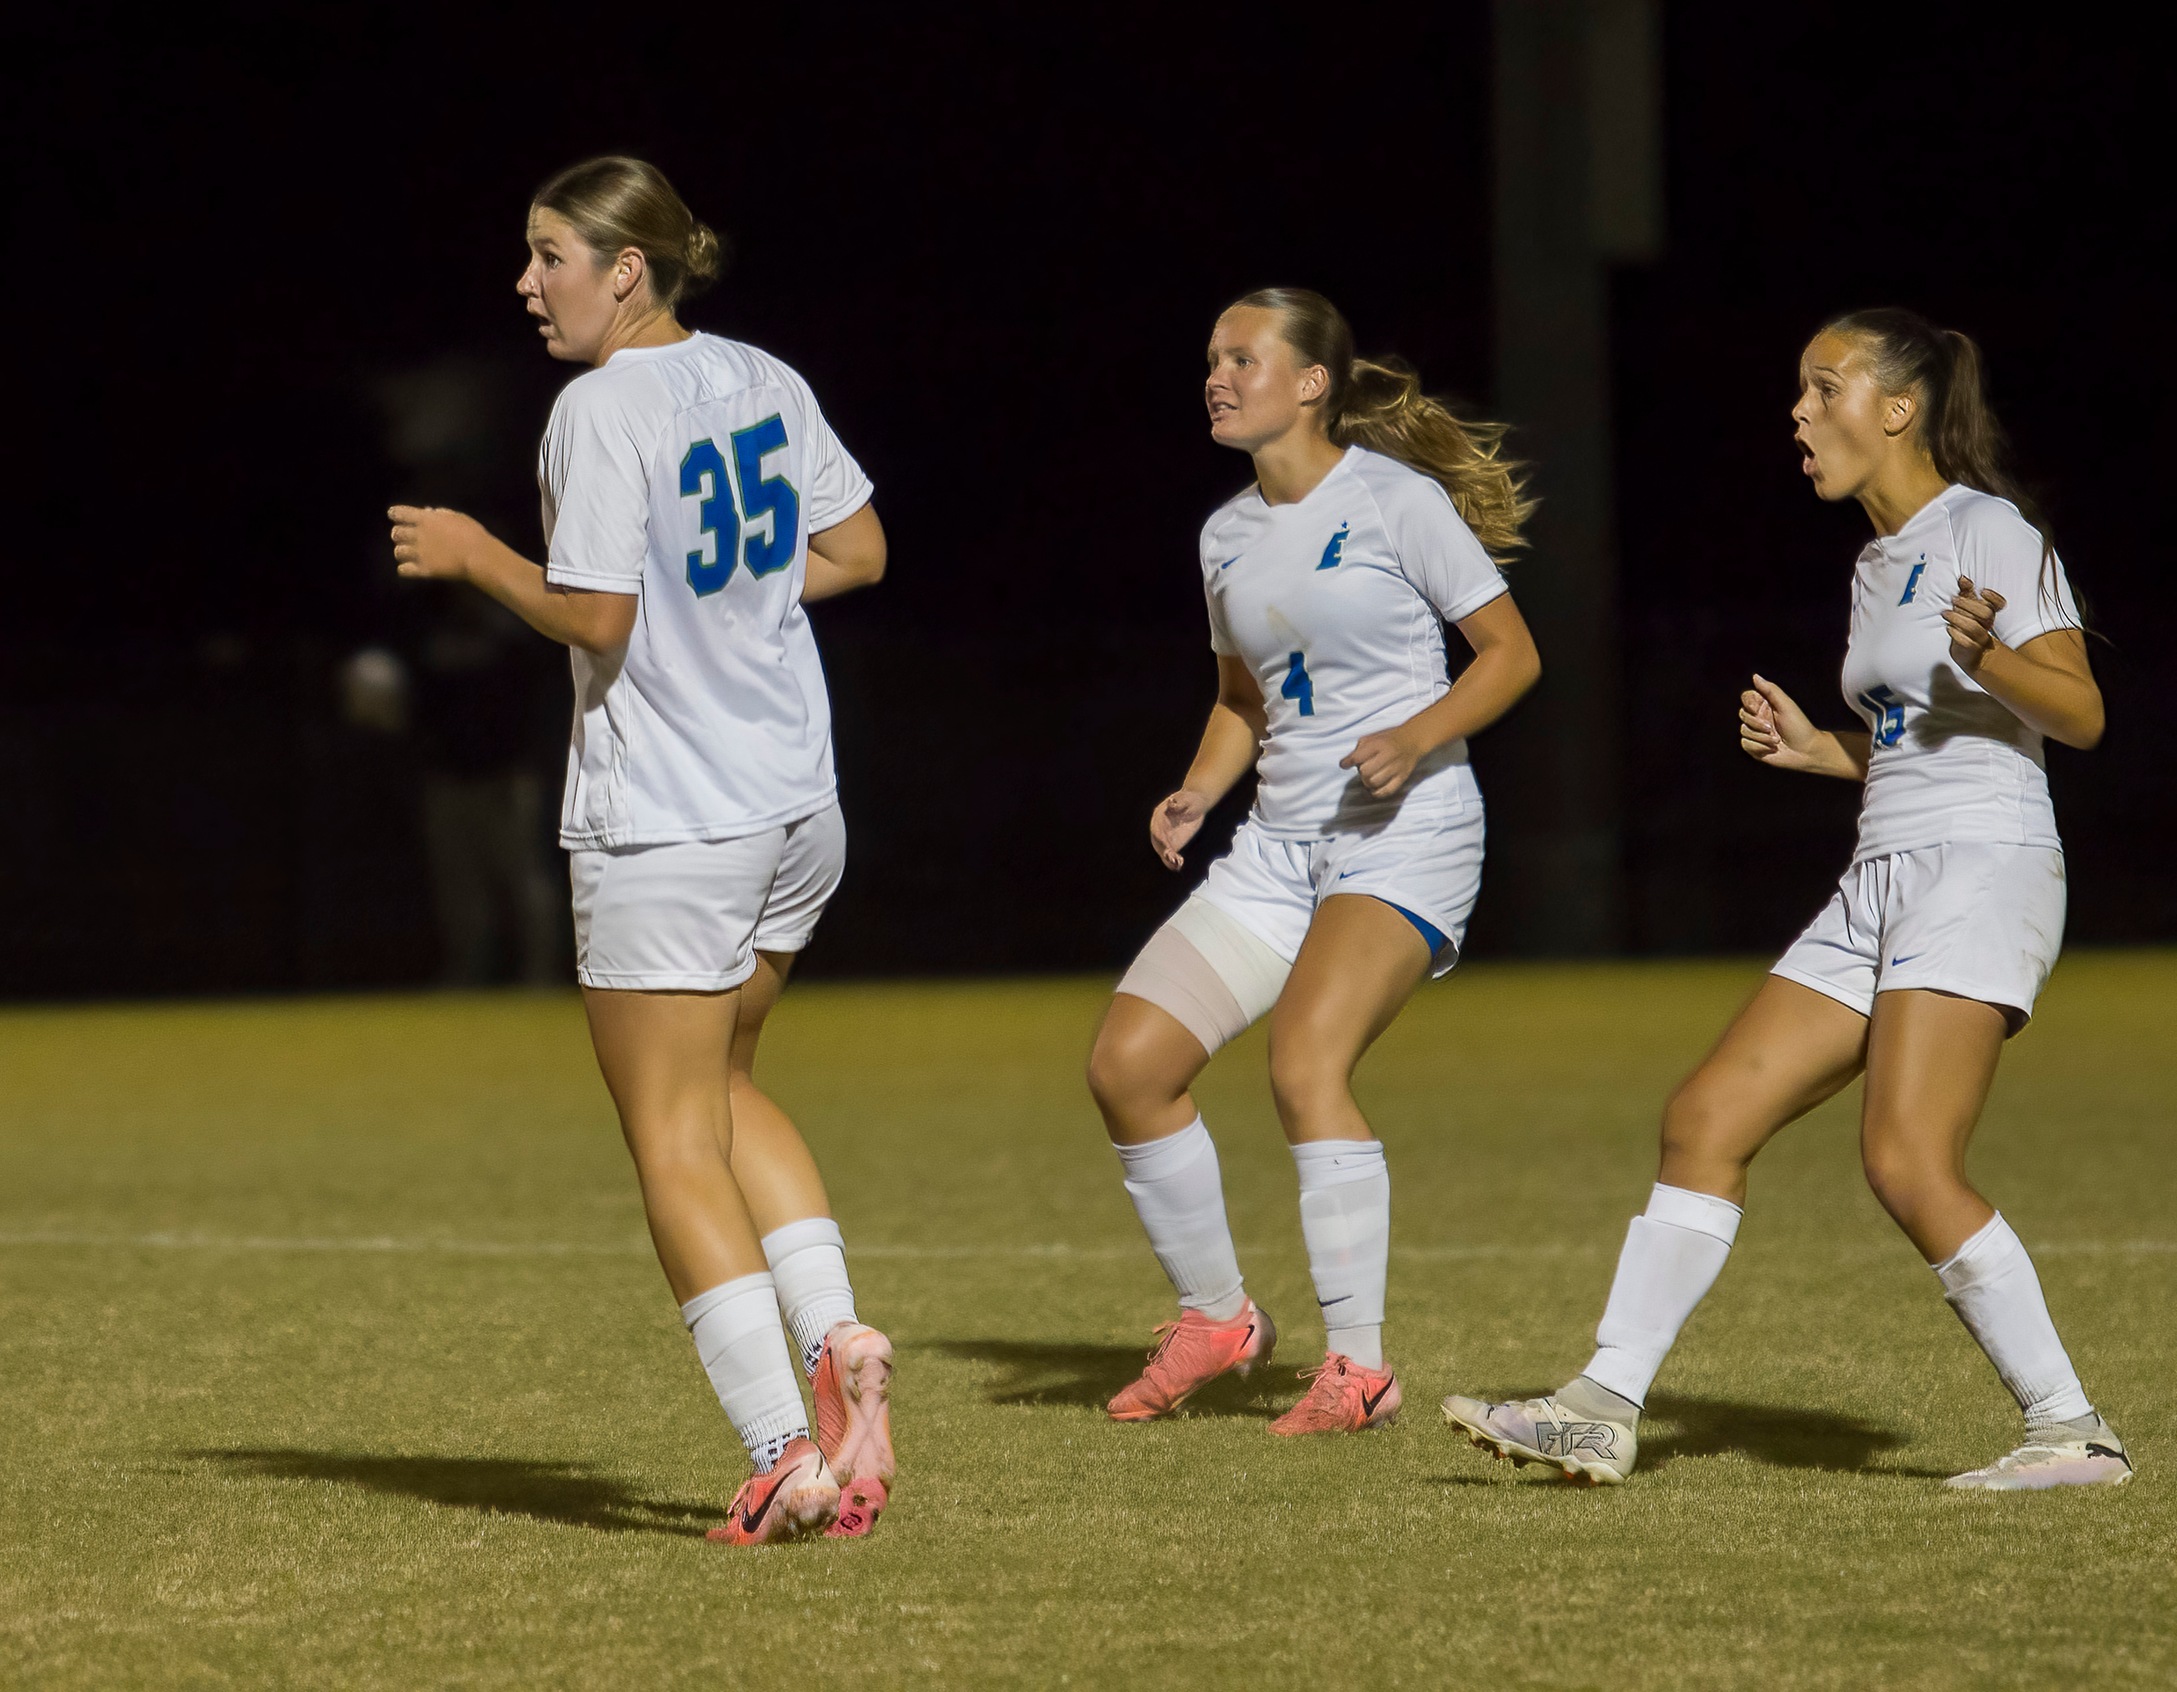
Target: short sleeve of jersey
1437, 552
1220, 637
599, 487
1999, 549
837, 486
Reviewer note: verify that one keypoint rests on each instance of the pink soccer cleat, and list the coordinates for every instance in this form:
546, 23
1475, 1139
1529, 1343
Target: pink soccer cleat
853, 1391
797, 1498
1344, 1398
1190, 1353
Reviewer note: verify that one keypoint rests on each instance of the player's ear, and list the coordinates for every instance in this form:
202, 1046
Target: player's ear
1314, 384
628, 271
1898, 412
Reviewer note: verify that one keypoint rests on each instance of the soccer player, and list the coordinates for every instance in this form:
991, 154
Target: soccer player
1966, 653
1371, 522
694, 500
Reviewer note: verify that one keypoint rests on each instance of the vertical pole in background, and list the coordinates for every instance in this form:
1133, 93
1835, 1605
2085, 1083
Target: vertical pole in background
1578, 142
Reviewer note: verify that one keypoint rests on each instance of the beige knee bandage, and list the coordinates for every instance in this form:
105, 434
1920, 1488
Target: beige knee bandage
1210, 971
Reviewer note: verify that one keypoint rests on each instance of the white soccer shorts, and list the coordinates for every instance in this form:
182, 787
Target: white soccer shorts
1431, 866
690, 917
1983, 922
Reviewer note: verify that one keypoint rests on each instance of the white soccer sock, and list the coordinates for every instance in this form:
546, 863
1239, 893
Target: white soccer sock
736, 1331
1672, 1256
1990, 1282
1345, 1217
809, 1264
1180, 1197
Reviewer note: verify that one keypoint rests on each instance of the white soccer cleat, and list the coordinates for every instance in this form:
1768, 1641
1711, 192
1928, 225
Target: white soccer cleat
2055, 1457
1540, 1430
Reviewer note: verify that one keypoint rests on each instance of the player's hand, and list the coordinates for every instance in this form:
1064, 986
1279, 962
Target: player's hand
430, 541
1972, 620
1383, 761
1175, 821
1774, 731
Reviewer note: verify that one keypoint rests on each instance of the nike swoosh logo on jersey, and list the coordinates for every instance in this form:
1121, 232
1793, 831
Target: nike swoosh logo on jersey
1342, 874
1234, 559
752, 1518
1907, 958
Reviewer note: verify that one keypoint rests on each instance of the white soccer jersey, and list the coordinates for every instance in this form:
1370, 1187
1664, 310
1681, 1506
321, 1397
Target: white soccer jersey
1949, 761
1338, 603
692, 475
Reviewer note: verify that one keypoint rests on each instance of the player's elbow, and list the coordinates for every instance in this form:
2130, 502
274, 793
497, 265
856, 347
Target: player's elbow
602, 625
2085, 734
1522, 668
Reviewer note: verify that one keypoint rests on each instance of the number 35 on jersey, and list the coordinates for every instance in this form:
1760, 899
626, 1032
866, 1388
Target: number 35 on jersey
749, 518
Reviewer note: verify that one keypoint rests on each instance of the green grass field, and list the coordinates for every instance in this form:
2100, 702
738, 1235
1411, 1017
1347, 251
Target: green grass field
331, 1354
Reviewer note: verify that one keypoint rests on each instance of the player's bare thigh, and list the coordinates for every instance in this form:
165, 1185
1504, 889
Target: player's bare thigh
661, 1057
777, 1173
1359, 964
1931, 1058
759, 998
1786, 1052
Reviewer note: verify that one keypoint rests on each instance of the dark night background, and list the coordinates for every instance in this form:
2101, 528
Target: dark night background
995, 251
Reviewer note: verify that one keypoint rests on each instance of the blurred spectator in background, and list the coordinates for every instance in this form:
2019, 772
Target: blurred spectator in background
471, 694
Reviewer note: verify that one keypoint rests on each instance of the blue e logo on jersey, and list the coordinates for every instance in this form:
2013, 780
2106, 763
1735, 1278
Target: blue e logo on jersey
1334, 554
1912, 582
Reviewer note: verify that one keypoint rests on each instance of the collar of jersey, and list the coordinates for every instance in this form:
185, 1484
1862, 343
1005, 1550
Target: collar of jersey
1344, 464
639, 353
1937, 508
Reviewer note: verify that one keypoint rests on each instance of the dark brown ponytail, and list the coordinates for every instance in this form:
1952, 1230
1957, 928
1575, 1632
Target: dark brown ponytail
1958, 426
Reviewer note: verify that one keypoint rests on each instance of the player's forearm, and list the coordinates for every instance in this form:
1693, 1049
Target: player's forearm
2060, 704
586, 620
1841, 753
1230, 745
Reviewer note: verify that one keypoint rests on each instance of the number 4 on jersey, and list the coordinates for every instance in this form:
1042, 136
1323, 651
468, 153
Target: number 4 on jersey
1297, 685
735, 537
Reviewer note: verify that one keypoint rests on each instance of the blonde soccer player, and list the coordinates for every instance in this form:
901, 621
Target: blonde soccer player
1375, 518
1966, 655
694, 500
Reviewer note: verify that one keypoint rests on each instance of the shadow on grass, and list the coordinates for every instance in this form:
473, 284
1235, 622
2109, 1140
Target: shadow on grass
1037, 1372
565, 1494
1781, 1436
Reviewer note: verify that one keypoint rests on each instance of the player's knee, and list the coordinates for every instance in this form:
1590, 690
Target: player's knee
1108, 1076
1697, 1123
674, 1160
1303, 1079
1124, 1075
1903, 1176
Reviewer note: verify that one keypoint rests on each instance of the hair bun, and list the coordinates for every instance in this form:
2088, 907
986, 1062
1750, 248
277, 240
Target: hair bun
705, 255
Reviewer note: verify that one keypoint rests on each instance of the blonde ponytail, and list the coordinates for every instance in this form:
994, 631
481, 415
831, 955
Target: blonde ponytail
1378, 404
1386, 411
